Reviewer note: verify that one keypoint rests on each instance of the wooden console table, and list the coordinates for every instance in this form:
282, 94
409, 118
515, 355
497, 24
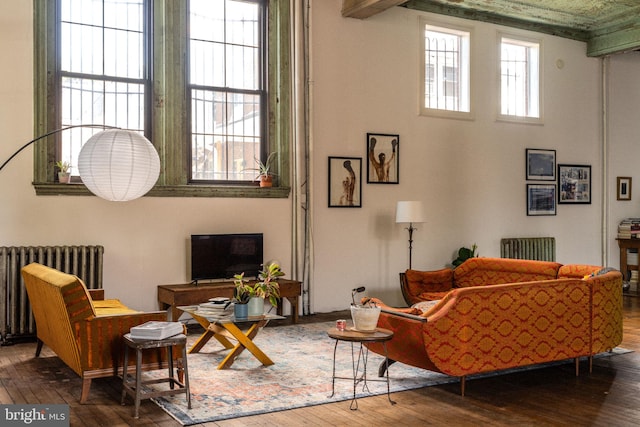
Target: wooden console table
172, 296
625, 268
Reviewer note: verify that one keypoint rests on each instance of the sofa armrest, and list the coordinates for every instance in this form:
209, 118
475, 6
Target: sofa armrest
96, 294
407, 315
99, 339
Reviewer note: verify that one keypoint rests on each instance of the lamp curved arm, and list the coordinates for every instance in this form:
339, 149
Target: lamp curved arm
52, 133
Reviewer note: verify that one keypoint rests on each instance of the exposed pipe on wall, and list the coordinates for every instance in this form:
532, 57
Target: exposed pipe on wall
604, 62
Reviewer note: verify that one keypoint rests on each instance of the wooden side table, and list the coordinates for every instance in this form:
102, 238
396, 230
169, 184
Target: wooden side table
134, 387
625, 267
352, 336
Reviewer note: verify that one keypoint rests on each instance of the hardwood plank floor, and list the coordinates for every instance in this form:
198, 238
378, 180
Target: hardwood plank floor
610, 396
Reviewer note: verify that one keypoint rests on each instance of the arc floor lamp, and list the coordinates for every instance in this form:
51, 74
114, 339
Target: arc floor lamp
115, 164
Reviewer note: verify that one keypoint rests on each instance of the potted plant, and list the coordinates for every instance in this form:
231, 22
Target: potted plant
267, 286
64, 171
264, 171
241, 295
254, 295
464, 254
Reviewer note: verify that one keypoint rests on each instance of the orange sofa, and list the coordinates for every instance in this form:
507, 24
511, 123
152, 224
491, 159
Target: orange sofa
82, 328
496, 313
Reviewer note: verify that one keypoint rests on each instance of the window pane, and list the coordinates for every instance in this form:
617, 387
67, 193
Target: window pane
519, 75
225, 76
446, 69
226, 135
102, 68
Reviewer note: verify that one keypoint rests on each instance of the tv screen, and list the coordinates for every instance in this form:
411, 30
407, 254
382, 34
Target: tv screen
221, 256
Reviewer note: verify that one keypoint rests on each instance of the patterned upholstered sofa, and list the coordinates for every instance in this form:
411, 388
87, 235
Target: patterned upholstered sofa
495, 313
81, 327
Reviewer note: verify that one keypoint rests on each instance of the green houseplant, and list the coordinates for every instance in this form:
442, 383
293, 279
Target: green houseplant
265, 288
64, 169
264, 171
464, 254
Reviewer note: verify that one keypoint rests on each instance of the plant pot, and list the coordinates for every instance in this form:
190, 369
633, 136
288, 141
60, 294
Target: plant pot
365, 318
256, 306
64, 177
240, 311
266, 181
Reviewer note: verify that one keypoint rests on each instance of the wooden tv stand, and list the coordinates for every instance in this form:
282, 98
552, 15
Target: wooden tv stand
173, 296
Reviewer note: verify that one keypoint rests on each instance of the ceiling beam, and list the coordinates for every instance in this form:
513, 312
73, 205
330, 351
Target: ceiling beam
493, 18
363, 9
618, 39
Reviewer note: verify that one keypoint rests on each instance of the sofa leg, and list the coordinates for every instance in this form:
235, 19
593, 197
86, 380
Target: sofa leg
590, 364
384, 365
463, 380
577, 361
86, 385
39, 347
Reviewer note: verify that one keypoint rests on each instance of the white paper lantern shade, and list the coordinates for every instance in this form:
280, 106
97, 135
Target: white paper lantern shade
119, 165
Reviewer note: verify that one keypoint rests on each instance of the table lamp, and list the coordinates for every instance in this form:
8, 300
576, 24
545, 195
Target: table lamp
115, 164
410, 212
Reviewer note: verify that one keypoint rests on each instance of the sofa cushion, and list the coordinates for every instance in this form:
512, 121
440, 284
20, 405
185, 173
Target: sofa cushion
577, 271
109, 307
429, 285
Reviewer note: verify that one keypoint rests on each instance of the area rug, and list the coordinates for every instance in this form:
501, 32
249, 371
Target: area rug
301, 376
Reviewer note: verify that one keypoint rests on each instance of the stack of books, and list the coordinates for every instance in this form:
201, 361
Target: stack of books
629, 228
156, 330
215, 309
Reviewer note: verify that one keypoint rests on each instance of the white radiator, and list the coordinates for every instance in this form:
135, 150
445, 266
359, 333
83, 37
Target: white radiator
535, 248
16, 320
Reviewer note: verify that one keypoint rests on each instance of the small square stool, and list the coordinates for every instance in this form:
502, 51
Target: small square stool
134, 387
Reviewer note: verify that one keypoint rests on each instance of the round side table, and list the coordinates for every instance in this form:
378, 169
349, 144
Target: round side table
353, 336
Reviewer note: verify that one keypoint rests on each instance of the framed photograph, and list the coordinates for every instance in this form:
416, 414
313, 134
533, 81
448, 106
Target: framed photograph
541, 165
624, 188
383, 162
574, 183
541, 199
345, 182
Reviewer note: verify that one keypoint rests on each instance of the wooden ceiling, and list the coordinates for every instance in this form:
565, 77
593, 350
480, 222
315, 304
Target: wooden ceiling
607, 26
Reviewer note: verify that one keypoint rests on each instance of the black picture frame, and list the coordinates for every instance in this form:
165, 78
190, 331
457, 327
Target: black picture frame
383, 158
541, 199
345, 182
623, 184
574, 184
540, 164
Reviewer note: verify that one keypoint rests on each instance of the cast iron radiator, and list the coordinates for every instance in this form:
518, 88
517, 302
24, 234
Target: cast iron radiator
16, 320
536, 248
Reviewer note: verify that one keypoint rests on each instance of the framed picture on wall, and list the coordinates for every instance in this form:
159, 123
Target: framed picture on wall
624, 188
541, 165
541, 199
574, 183
345, 182
383, 161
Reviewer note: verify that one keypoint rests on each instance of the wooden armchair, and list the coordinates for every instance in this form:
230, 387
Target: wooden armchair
85, 333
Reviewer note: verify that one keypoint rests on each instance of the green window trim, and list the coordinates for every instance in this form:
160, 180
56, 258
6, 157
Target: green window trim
169, 104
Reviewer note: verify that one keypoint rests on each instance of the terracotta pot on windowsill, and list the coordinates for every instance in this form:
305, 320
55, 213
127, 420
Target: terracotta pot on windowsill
64, 177
266, 181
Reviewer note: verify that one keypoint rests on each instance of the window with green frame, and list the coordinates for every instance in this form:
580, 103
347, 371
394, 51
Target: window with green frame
207, 124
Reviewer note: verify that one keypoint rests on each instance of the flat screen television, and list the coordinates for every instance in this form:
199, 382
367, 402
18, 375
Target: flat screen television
221, 256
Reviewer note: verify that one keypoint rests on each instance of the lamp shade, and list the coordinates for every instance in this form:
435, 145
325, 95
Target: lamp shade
410, 211
118, 165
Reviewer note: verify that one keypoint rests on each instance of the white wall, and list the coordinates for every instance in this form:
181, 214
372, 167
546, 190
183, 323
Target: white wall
623, 135
470, 174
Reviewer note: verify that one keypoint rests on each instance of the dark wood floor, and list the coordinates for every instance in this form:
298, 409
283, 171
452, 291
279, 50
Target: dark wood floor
610, 396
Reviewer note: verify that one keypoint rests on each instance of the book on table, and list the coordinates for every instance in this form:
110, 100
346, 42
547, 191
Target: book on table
156, 330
